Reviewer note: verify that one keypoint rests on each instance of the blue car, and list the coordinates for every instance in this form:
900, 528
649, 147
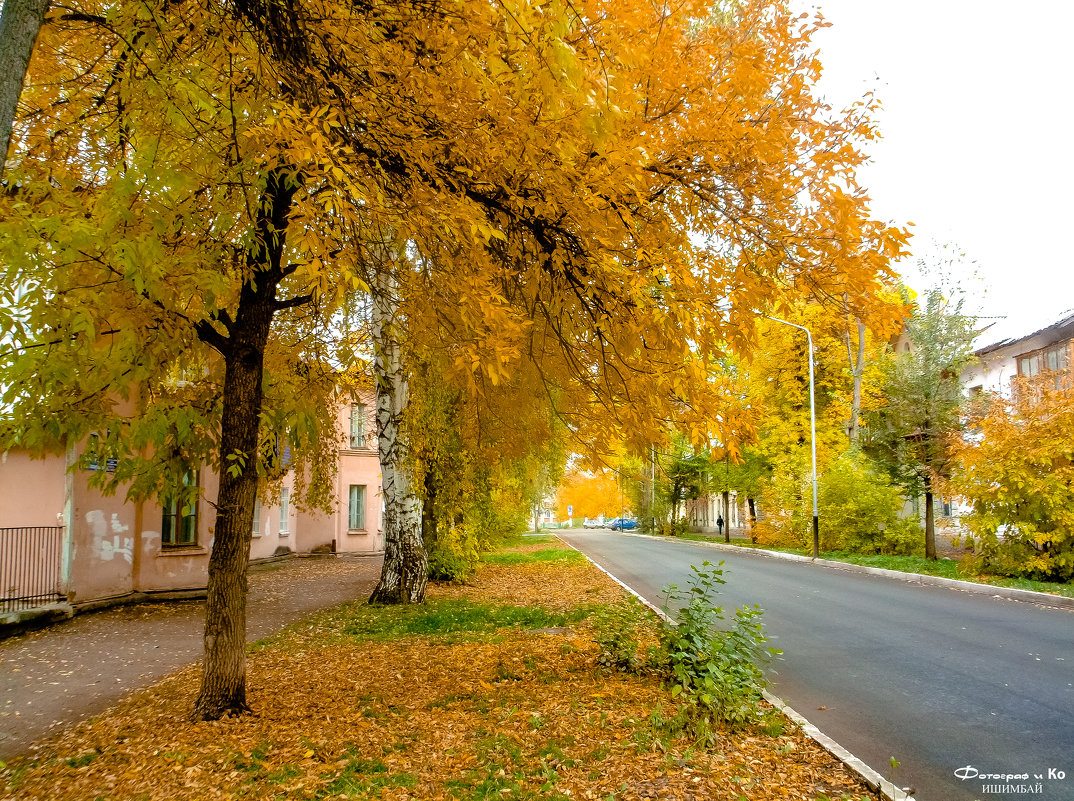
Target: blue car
623, 524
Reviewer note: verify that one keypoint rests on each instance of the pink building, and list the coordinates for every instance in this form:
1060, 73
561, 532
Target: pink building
66, 545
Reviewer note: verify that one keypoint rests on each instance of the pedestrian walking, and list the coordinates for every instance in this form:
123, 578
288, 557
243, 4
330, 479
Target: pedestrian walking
719, 524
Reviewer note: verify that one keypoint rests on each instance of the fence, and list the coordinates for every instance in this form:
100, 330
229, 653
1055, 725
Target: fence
31, 563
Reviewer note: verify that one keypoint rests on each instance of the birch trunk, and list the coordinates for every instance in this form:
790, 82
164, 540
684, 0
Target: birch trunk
405, 572
857, 367
20, 21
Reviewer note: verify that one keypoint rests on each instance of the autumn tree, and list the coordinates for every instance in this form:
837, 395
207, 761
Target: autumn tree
610, 189
1017, 472
590, 493
480, 457
569, 235
148, 266
913, 430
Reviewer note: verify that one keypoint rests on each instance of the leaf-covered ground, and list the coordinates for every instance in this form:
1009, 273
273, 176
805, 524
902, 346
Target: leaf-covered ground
489, 691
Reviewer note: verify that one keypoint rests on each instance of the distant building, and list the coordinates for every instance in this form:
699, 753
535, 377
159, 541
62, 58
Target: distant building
1044, 355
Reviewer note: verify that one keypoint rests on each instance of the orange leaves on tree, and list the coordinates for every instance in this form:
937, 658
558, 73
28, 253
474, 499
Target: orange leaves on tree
1017, 471
590, 494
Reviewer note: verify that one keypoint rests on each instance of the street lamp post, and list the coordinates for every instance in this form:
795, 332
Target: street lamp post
812, 432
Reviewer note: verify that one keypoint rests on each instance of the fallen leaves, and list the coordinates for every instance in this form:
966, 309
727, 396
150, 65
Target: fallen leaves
521, 715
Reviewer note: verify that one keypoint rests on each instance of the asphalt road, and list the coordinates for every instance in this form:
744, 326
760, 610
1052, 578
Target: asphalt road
938, 679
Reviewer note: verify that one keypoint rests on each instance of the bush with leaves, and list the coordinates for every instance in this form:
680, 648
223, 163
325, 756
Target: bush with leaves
619, 631
716, 675
859, 509
858, 506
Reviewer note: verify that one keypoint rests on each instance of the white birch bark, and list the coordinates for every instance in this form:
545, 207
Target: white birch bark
857, 368
405, 572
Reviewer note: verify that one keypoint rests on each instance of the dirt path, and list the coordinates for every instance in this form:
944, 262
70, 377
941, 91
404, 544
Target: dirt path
69, 671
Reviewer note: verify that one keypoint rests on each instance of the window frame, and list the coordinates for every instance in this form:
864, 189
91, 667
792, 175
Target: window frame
357, 437
173, 519
285, 512
1034, 367
356, 515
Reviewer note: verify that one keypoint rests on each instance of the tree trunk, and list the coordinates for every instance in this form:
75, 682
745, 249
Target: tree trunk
405, 571
726, 516
930, 525
223, 682
20, 21
857, 367
223, 679
429, 531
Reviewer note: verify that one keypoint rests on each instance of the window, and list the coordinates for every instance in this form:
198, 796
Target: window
1053, 359
179, 521
285, 511
257, 518
356, 507
357, 426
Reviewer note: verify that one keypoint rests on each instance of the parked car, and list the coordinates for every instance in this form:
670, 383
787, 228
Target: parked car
622, 524
592, 522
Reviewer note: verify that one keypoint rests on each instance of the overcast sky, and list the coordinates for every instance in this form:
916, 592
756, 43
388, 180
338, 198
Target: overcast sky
978, 146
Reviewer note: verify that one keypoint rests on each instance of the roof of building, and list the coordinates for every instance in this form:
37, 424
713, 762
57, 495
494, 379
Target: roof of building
991, 334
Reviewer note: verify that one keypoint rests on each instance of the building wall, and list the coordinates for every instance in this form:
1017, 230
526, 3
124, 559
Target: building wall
160, 569
358, 465
271, 534
701, 513
112, 546
32, 491
995, 369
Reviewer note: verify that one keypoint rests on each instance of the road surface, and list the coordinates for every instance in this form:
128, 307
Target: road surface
943, 681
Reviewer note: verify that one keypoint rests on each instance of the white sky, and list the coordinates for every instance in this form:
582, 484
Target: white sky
978, 148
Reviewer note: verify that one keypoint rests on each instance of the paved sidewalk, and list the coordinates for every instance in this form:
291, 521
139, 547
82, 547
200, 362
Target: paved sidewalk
72, 670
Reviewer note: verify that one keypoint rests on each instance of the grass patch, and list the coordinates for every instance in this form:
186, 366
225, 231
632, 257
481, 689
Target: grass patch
81, 760
545, 555
363, 778
440, 617
527, 538
943, 568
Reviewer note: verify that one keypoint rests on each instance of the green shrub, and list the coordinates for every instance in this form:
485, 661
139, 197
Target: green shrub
857, 504
859, 511
715, 675
1020, 551
619, 632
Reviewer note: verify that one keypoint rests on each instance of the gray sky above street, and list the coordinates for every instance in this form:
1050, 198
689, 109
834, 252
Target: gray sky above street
978, 103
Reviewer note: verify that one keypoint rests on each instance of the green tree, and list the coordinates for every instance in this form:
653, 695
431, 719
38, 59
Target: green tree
912, 432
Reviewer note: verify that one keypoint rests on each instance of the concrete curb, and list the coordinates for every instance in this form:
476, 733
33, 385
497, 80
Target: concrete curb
1007, 593
871, 777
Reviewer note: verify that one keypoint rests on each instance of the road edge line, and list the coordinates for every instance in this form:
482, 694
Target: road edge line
875, 781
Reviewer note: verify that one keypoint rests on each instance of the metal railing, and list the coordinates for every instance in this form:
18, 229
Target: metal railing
31, 564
